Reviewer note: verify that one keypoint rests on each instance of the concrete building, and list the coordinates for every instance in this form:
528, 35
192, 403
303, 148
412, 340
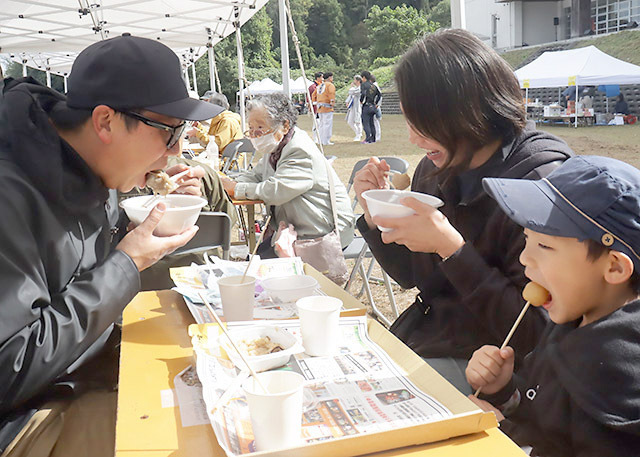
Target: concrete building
506, 24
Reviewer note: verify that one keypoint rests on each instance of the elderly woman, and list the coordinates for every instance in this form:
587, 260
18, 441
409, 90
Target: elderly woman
291, 178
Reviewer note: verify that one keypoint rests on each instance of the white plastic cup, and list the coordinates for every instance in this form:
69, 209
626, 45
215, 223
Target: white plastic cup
237, 297
276, 416
319, 324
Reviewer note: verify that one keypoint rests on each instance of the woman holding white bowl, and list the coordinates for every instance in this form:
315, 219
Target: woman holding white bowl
463, 106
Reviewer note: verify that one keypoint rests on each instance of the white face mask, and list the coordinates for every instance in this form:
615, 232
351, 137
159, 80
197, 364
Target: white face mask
266, 143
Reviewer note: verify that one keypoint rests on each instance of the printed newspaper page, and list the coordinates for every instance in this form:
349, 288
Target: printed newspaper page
195, 279
358, 390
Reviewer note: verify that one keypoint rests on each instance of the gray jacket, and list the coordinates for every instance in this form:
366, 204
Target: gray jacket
62, 284
299, 190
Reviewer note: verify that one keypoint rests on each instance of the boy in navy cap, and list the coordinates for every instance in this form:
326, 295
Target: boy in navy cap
69, 266
578, 392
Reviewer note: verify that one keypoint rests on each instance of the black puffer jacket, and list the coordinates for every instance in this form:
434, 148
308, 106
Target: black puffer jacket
62, 284
580, 390
474, 297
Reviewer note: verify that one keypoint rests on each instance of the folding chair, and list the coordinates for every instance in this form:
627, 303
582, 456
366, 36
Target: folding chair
229, 159
359, 250
215, 231
396, 164
246, 147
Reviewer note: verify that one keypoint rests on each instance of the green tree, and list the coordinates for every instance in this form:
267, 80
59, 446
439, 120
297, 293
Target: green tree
441, 13
327, 32
392, 30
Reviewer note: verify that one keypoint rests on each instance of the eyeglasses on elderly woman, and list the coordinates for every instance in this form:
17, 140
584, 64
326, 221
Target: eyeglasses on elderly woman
257, 133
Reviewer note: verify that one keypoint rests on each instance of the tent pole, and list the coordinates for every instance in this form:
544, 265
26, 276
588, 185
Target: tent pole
284, 48
212, 67
48, 78
576, 106
526, 101
296, 43
65, 84
240, 67
185, 74
193, 75
24, 68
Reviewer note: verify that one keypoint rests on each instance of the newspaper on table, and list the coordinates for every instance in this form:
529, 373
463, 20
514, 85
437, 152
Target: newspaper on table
358, 390
195, 279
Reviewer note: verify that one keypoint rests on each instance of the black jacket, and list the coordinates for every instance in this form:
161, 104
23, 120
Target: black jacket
62, 284
369, 93
474, 297
580, 390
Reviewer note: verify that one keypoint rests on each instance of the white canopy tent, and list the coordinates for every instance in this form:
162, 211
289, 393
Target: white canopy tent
265, 86
49, 35
300, 85
268, 86
586, 66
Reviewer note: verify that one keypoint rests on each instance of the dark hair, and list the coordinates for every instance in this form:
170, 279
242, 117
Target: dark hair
372, 78
620, 97
318, 75
328, 74
68, 119
459, 92
595, 250
366, 74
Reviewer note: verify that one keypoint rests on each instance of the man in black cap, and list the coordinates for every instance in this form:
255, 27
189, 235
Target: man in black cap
69, 266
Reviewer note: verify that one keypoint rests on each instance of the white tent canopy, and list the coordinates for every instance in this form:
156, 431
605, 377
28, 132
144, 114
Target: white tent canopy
50, 34
300, 85
266, 86
584, 67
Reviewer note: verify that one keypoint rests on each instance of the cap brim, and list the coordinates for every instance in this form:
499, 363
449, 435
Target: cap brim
188, 109
534, 205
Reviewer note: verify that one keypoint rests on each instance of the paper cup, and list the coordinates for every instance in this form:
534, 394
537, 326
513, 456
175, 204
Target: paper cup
319, 324
276, 416
237, 297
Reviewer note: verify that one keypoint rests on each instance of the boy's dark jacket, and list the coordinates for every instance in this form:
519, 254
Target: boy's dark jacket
474, 297
62, 284
580, 389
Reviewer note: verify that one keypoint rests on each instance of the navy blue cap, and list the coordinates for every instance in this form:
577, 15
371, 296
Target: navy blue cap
129, 72
587, 197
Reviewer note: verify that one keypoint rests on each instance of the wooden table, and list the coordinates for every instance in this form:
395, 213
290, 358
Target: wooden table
156, 347
251, 219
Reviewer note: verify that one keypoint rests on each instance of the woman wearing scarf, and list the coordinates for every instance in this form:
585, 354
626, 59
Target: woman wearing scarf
291, 177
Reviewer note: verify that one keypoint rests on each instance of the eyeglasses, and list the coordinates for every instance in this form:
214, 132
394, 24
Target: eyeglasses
257, 133
175, 132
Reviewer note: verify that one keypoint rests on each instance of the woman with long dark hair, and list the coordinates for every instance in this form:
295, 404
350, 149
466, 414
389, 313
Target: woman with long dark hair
463, 106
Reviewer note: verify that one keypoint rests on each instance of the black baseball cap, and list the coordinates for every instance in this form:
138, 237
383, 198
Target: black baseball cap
129, 72
587, 197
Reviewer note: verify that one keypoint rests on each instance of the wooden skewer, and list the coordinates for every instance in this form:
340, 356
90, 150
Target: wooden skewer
511, 332
255, 249
224, 330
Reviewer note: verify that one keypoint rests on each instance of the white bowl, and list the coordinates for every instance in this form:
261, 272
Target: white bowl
182, 212
386, 203
290, 288
265, 362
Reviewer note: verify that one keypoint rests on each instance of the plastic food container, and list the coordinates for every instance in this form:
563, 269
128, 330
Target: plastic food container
182, 212
287, 340
386, 203
290, 288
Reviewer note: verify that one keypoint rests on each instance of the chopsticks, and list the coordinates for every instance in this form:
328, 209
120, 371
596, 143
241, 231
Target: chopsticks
255, 249
233, 344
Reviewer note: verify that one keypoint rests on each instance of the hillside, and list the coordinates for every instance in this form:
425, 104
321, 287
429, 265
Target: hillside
622, 45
